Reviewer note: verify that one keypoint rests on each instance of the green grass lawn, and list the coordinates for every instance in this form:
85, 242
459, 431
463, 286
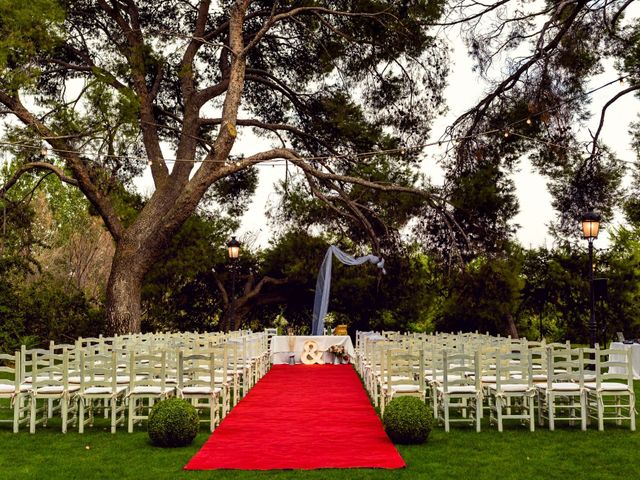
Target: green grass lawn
566, 453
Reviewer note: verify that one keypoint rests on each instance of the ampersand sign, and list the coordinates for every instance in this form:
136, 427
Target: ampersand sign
311, 354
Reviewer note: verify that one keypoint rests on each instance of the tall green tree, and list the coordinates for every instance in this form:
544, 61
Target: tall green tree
538, 105
151, 77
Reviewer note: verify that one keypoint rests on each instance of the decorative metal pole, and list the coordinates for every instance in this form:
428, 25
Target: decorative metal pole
234, 269
590, 229
233, 247
592, 318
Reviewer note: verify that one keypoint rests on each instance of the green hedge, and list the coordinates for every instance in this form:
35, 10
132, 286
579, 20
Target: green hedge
173, 423
407, 420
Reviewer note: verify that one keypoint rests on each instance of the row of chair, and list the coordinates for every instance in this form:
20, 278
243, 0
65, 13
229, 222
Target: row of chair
466, 376
125, 379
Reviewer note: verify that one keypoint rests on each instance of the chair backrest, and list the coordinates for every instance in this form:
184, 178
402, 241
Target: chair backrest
460, 369
49, 369
513, 369
197, 369
613, 364
147, 369
98, 370
564, 365
404, 368
9, 374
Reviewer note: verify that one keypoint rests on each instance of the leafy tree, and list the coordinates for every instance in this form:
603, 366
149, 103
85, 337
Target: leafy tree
322, 78
483, 296
538, 104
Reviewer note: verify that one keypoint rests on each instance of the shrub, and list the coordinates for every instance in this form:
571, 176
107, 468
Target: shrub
407, 420
173, 423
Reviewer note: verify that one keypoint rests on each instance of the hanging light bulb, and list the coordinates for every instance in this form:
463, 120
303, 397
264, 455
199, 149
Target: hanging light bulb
529, 122
506, 134
149, 162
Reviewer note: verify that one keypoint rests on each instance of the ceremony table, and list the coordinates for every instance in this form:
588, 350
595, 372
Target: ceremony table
635, 358
282, 346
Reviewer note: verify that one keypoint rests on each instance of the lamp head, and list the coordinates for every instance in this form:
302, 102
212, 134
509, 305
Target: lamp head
590, 224
233, 246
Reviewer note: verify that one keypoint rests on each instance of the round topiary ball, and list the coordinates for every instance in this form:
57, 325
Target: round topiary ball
407, 420
173, 423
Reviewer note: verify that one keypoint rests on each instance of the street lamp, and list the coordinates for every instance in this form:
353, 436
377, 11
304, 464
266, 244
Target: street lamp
590, 229
233, 246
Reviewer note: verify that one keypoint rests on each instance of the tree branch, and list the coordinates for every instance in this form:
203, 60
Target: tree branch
27, 167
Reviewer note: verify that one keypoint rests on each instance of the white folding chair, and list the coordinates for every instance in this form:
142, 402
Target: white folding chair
611, 395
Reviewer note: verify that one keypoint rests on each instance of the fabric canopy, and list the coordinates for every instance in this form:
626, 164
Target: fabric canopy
323, 284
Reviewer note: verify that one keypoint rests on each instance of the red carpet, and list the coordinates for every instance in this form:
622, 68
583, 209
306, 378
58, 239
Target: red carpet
300, 417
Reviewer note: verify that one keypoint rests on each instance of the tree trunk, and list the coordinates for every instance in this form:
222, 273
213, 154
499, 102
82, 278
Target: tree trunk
238, 309
124, 288
513, 330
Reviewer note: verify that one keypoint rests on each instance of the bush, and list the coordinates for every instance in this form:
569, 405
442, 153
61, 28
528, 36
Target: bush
407, 420
173, 423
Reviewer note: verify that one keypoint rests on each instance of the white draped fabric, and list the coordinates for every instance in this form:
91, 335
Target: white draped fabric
323, 284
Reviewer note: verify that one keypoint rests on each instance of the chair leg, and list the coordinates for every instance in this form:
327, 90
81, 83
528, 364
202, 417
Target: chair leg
132, 404
114, 414
541, 402
551, 407
213, 405
499, 412
532, 413
445, 407
583, 412
64, 411
478, 414
599, 401
16, 413
32, 422
81, 415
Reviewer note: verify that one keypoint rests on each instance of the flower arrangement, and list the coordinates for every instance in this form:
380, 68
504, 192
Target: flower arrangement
329, 320
280, 323
339, 352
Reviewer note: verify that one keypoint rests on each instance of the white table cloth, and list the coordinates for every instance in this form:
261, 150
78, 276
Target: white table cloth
635, 358
283, 345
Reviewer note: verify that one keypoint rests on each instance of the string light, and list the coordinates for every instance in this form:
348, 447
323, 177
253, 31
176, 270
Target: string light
331, 158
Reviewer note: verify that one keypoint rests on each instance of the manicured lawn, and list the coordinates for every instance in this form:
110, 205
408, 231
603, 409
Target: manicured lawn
566, 453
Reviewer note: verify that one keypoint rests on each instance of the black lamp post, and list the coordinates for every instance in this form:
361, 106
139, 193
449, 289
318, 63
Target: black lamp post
234, 252
590, 229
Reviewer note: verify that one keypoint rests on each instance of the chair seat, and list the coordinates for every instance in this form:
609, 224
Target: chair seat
150, 390
104, 390
77, 379
561, 386
403, 388
607, 386
203, 390
510, 387
459, 389
56, 389
43, 378
440, 378
11, 389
